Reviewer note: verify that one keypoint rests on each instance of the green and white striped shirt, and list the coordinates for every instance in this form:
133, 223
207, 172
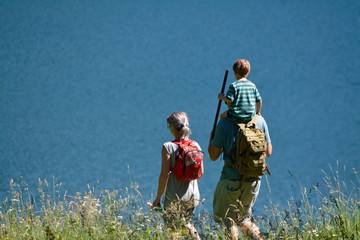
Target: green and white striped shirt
244, 96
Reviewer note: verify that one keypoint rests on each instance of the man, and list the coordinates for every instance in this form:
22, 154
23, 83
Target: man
233, 200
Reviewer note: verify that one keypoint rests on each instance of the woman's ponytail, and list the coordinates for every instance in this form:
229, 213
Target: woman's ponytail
180, 121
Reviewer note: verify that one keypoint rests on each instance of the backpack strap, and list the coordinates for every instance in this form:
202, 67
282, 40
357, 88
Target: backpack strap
253, 121
241, 125
188, 142
181, 143
232, 154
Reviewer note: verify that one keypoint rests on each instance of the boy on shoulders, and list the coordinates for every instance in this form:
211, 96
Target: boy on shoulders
242, 98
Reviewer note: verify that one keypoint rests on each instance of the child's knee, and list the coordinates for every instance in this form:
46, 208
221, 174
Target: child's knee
223, 115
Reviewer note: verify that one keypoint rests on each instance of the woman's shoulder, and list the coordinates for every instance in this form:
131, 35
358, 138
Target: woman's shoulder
170, 147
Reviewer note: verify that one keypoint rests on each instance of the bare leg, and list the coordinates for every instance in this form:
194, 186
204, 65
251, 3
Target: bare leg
250, 229
192, 230
234, 232
223, 115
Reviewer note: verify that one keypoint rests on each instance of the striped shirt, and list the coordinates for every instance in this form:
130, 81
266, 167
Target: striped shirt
244, 96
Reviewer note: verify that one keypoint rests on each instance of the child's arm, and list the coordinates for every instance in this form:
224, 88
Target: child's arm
222, 97
258, 107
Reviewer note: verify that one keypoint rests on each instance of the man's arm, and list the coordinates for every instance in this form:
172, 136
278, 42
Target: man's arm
269, 150
214, 152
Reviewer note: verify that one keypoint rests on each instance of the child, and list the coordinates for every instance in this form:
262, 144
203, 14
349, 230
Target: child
242, 98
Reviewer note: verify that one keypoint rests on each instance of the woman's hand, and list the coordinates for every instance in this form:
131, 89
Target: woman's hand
156, 203
163, 178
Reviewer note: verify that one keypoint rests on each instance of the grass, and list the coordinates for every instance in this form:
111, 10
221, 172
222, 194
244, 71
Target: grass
333, 214
123, 214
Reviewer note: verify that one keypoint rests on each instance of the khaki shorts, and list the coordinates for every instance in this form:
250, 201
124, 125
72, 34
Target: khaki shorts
232, 203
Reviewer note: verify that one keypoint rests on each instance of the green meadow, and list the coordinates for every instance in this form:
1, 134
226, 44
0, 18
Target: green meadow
328, 210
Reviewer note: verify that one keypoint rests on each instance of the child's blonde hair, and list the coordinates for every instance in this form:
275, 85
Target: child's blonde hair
242, 67
180, 121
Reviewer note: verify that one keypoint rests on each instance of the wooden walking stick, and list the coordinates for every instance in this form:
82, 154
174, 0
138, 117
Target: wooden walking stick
219, 105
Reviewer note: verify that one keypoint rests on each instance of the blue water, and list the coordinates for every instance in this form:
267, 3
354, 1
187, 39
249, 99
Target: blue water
86, 86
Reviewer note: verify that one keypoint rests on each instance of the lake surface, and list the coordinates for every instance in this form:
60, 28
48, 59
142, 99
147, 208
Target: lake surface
86, 86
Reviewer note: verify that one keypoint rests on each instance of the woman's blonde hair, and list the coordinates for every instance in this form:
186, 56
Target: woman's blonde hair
180, 121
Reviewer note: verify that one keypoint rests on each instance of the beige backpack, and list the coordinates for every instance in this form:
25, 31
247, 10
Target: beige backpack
250, 150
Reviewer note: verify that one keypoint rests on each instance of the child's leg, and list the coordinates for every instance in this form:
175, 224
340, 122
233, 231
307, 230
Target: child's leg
224, 114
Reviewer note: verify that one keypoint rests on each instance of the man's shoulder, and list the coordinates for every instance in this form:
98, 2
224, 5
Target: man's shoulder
261, 118
225, 126
226, 123
261, 123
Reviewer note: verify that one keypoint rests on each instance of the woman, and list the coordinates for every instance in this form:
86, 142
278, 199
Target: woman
181, 197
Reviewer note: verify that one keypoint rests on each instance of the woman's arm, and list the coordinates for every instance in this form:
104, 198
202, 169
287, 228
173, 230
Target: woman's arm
164, 175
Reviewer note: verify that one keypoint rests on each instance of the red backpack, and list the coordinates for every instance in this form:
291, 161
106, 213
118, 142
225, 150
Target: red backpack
188, 161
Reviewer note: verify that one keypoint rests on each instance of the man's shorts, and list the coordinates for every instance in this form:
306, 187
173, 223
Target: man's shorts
232, 203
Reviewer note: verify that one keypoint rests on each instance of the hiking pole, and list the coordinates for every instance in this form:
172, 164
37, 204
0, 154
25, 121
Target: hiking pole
219, 104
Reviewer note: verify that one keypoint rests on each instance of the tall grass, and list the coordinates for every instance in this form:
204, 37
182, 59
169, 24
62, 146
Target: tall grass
333, 214
117, 214
124, 214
